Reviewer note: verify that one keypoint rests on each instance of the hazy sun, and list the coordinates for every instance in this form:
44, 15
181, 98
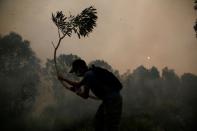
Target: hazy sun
148, 57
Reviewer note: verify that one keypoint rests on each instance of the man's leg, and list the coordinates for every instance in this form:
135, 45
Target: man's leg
99, 123
113, 113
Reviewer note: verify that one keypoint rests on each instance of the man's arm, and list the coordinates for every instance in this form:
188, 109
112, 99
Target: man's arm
72, 83
84, 94
76, 88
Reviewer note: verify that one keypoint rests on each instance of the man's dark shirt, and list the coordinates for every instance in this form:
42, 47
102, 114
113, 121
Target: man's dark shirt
98, 86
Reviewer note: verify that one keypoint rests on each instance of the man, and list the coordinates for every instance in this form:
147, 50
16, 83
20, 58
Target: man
105, 86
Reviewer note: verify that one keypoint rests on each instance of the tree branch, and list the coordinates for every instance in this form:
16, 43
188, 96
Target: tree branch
59, 33
53, 44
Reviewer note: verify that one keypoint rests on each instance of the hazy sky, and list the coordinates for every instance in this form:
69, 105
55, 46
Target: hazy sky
129, 33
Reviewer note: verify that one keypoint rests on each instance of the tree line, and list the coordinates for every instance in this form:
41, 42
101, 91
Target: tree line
153, 100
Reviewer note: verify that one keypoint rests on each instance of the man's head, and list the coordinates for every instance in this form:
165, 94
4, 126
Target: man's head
79, 67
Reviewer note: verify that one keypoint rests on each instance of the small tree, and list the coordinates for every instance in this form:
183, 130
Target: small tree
82, 25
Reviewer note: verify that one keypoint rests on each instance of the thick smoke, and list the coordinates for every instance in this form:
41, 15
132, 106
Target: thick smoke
32, 98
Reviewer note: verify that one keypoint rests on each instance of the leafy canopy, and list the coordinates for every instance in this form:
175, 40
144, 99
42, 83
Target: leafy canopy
82, 24
195, 26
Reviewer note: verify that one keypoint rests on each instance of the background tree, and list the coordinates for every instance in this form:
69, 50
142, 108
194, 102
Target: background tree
19, 78
64, 65
195, 26
188, 98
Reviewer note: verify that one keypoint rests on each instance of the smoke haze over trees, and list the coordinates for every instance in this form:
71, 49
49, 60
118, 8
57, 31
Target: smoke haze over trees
33, 99
19, 80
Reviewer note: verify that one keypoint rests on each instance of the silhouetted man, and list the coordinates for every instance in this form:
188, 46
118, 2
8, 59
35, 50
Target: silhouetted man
106, 87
